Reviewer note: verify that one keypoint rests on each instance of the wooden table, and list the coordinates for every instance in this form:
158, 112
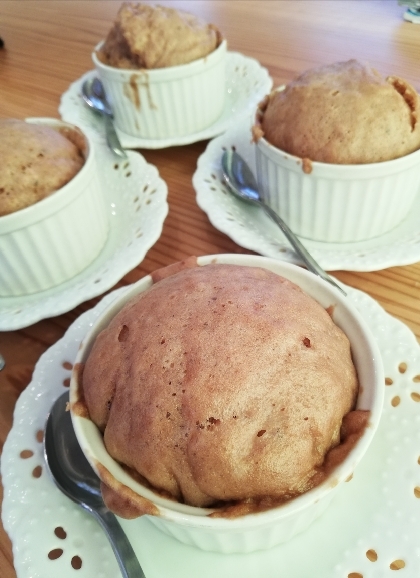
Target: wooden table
48, 45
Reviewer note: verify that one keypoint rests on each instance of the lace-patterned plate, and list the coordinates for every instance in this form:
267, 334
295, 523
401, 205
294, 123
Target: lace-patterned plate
249, 227
247, 82
370, 529
137, 209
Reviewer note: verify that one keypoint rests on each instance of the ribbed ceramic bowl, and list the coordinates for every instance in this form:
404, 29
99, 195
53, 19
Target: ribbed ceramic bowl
337, 203
166, 102
261, 530
54, 239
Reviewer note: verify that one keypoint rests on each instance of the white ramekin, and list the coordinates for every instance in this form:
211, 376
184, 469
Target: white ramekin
54, 239
265, 529
166, 102
337, 203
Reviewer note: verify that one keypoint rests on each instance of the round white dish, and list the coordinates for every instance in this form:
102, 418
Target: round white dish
247, 82
370, 528
171, 101
259, 530
52, 240
137, 207
249, 227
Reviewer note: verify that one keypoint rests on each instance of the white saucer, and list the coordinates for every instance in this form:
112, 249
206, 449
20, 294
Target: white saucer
137, 209
247, 82
376, 511
249, 226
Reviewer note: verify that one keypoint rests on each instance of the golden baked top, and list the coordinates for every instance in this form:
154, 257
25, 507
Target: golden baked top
221, 383
35, 161
343, 113
146, 36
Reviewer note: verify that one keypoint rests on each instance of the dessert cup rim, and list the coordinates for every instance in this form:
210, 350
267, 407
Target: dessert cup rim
157, 74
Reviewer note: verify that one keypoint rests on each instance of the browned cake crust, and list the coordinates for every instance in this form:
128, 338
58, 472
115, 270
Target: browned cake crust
156, 37
221, 383
35, 161
344, 113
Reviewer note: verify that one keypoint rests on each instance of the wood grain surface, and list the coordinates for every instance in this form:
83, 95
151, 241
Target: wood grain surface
48, 45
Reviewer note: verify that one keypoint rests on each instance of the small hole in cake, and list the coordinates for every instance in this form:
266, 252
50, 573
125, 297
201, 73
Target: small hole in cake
395, 401
162, 341
388, 381
60, 533
213, 420
306, 418
76, 562
371, 555
415, 396
261, 432
25, 454
55, 554
306, 342
402, 368
123, 334
397, 565
37, 472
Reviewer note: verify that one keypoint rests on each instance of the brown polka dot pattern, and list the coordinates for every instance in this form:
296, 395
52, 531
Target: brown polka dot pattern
371, 555
397, 565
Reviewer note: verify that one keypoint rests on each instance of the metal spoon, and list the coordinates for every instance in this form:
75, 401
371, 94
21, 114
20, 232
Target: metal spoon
74, 476
93, 94
241, 182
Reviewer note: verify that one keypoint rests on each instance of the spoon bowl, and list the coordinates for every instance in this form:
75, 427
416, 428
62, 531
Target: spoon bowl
241, 182
73, 475
93, 93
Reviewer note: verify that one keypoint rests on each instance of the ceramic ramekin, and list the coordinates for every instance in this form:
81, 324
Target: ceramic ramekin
166, 102
337, 203
261, 530
54, 239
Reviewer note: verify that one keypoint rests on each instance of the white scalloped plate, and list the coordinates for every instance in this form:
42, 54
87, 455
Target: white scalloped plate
137, 209
250, 227
370, 528
247, 82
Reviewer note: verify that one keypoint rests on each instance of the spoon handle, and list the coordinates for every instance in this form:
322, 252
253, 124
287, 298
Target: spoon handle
124, 553
299, 248
112, 138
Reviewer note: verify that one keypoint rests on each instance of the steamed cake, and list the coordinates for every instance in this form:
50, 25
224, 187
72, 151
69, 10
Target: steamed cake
221, 383
145, 37
343, 113
35, 161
